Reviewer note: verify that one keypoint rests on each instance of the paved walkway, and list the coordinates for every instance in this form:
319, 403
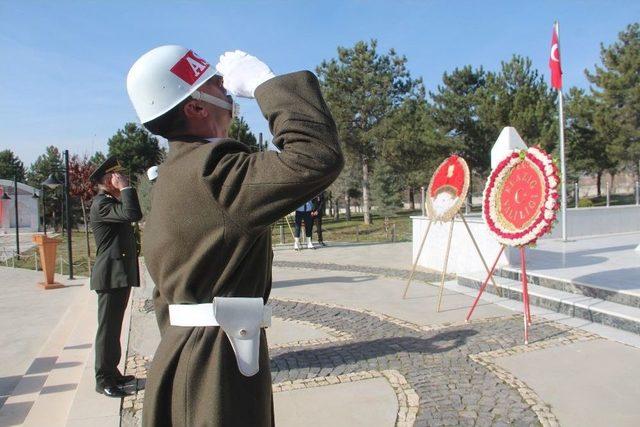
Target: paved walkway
28, 315
341, 329
347, 350
46, 348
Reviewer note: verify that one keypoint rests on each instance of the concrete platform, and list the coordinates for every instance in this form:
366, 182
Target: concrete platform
370, 402
382, 255
47, 353
608, 263
29, 315
594, 383
378, 294
283, 332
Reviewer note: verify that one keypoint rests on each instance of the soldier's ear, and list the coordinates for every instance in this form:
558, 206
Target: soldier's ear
194, 110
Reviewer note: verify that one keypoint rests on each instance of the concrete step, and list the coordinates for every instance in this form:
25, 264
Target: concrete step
572, 286
90, 408
53, 404
26, 393
59, 388
596, 310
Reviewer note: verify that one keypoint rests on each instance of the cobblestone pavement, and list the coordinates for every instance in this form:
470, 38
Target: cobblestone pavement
449, 367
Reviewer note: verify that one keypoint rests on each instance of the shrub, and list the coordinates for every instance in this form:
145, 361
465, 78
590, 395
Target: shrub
585, 202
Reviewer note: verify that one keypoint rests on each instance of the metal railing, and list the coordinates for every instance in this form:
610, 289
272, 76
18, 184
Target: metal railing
9, 257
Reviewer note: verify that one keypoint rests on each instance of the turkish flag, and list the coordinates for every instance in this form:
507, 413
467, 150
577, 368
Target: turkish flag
554, 60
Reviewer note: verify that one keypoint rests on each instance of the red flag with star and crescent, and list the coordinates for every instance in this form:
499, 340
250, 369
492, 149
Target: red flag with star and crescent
554, 60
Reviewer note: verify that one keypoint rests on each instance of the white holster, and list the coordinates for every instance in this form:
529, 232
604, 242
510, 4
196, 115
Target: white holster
239, 318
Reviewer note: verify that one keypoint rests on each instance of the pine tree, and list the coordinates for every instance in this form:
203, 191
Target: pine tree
239, 130
11, 166
588, 135
518, 96
362, 87
387, 189
455, 109
617, 86
136, 149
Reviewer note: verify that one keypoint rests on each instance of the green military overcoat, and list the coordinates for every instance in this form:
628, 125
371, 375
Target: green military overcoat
208, 235
116, 264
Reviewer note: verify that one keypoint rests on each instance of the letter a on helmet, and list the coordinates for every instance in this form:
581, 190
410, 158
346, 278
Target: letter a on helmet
163, 77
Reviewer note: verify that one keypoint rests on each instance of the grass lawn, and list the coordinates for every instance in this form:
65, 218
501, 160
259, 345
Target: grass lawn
78, 248
614, 200
334, 231
355, 230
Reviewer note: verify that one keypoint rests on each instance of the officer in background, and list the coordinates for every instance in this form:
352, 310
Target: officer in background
115, 271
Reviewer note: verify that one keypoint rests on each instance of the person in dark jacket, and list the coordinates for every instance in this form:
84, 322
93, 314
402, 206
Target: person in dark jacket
304, 214
115, 271
319, 205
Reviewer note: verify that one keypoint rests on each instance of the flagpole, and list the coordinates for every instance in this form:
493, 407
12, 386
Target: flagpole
562, 158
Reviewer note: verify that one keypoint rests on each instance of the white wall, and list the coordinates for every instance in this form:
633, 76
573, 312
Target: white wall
28, 208
600, 220
463, 257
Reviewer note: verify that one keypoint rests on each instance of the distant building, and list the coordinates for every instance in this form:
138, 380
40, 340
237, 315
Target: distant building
28, 208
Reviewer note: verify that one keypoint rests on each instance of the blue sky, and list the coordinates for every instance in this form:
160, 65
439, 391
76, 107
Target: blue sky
64, 63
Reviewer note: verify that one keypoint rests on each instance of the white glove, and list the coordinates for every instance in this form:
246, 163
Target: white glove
243, 73
152, 173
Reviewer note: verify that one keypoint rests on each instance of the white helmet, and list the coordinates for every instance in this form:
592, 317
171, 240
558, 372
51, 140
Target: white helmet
165, 76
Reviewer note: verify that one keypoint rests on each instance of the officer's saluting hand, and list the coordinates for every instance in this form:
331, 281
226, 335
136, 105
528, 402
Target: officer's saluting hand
115, 271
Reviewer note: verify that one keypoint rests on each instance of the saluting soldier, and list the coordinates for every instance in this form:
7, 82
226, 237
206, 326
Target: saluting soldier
115, 271
208, 233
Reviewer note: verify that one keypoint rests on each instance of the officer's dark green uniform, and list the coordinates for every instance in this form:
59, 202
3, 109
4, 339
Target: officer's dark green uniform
115, 270
208, 234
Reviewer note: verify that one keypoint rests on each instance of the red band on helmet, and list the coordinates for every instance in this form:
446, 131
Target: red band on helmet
190, 67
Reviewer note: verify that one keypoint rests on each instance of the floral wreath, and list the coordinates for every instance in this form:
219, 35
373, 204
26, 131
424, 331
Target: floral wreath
542, 218
462, 187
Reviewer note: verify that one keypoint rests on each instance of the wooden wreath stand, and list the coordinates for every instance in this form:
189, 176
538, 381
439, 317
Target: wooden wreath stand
446, 258
525, 290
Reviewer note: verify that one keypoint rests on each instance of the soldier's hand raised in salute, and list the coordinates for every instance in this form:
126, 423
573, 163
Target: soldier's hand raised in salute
119, 181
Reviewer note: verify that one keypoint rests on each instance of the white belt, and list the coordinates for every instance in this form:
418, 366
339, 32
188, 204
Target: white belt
240, 319
191, 315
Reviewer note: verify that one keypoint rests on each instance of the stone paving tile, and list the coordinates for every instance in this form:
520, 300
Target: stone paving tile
427, 276
447, 369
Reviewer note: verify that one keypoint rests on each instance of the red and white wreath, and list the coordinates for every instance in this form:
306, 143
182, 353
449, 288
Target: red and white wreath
521, 197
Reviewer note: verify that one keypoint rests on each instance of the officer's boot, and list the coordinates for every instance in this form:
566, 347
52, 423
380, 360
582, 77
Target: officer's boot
309, 243
296, 244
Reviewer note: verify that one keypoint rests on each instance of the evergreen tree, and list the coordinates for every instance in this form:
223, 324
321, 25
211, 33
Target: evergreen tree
455, 109
50, 163
411, 145
239, 130
11, 166
97, 158
617, 86
588, 135
347, 186
518, 96
362, 87
387, 189
136, 149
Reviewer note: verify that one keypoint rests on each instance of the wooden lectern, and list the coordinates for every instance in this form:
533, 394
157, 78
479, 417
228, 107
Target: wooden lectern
47, 248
